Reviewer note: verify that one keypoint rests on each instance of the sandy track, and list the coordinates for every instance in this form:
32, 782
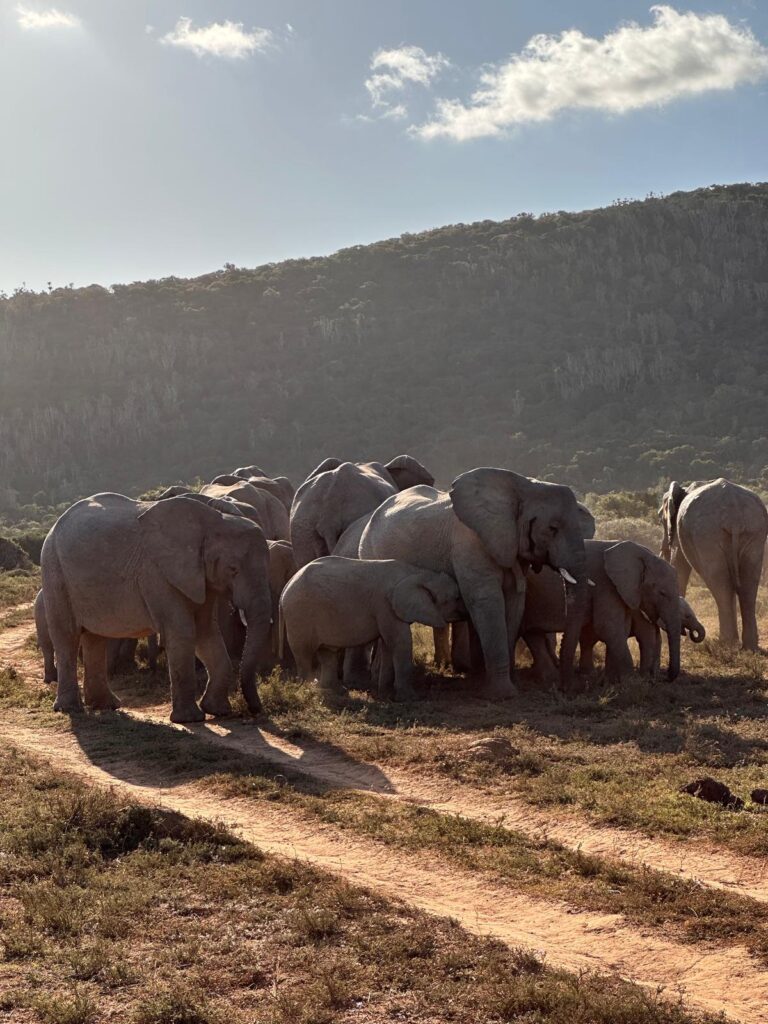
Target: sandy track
712, 979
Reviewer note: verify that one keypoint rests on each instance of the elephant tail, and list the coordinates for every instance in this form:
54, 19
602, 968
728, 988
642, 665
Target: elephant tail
733, 561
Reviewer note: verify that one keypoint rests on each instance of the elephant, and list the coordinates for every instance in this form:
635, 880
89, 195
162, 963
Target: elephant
280, 487
335, 494
271, 513
719, 529
115, 567
44, 641
486, 532
244, 472
634, 591
334, 603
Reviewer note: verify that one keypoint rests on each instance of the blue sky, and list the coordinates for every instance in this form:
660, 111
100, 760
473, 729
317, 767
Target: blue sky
142, 139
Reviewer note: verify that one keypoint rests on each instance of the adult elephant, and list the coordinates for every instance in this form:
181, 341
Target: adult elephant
280, 486
719, 529
272, 514
336, 494
490, 527
114, 567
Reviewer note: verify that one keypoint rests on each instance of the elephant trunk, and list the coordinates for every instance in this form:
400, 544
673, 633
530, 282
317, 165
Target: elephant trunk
256, 657
697, 633
576, 601
673, 624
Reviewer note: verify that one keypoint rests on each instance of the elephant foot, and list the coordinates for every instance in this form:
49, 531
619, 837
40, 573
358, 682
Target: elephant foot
574, 686
498, 689
68, 705
187, 713
108, 702
217, 707
404, 693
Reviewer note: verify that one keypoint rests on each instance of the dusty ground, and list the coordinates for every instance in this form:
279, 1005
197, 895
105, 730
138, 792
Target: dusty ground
712, 976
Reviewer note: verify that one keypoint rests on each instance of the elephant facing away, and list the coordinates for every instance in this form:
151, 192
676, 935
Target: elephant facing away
271, 514
335, 603
719, 529
336, 494
114, 567
634, 590
485, 533
279, 487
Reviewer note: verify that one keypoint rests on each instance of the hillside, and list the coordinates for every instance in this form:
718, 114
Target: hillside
609, 349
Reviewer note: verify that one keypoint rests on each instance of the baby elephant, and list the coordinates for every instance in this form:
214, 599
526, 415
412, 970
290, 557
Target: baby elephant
335, 603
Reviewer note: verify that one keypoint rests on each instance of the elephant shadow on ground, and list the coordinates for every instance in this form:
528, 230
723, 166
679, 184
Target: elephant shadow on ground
159, 755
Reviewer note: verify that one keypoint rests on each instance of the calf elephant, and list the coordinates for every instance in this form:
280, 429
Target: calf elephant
485, 533
336, 494
114, 567
719, 529
633, 589
334, 603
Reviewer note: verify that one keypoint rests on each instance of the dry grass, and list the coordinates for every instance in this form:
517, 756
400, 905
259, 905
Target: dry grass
17, 587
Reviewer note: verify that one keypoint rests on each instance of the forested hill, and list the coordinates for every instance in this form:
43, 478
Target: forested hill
608, 349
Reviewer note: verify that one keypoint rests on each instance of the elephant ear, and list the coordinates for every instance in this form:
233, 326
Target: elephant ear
624, 566
673, 500
490, 502
586, 521
408, 472
324, 467
173, 535
413, 601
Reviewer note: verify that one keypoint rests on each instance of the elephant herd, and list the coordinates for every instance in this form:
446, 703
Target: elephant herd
326, 581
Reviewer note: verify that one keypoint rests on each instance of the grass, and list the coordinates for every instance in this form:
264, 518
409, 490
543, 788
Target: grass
18, 586
113, 911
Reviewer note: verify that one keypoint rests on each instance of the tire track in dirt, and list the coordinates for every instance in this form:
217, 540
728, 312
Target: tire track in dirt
693, 860
715, 980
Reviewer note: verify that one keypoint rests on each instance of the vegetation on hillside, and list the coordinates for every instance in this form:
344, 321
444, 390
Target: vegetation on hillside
612, 348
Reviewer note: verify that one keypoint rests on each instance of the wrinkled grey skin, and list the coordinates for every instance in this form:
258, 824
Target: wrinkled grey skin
44, 641
114, 567
334, 603
485, 533
719, 529
280, 487
271, 513
632, 586
335, 494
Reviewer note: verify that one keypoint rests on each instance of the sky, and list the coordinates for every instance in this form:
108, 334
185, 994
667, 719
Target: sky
144, 139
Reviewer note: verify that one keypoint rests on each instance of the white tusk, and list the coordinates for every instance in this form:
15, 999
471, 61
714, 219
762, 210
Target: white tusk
566, 576
591, 582
243, 619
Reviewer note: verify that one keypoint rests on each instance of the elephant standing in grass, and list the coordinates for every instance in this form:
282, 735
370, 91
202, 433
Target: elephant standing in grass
634, 591
485, 533
719, 529
335, 603
114, 567
336, 494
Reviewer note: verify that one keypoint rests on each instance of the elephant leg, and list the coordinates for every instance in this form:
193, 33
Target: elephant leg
587, 641
488, 613
304, 654
211, 649
719, 583
618, 660
545, 668
397, 641
461, 658
179, 643
385, 673
750, 567
152, 651
329, 672
65, 637
98, 696
514, 606
683, 567
649, 641
442, 640
355, 672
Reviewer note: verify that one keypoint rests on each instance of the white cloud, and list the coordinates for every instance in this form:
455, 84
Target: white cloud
50, 18
680, 54
219, 39
393, 70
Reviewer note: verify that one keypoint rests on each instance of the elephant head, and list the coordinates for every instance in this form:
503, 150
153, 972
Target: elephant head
670, 506
227, 479
648, 584
408, 472
324, 467
691, 626
244, 472
587, 521
431, 598
197, 548
173, 492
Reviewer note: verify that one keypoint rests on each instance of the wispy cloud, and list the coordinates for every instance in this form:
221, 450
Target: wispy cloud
679, 54
227, 39
49, 18
394, 69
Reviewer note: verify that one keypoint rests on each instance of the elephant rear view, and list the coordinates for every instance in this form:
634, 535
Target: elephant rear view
271, 513
335, 603
114, 567
719, 529
337, 493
